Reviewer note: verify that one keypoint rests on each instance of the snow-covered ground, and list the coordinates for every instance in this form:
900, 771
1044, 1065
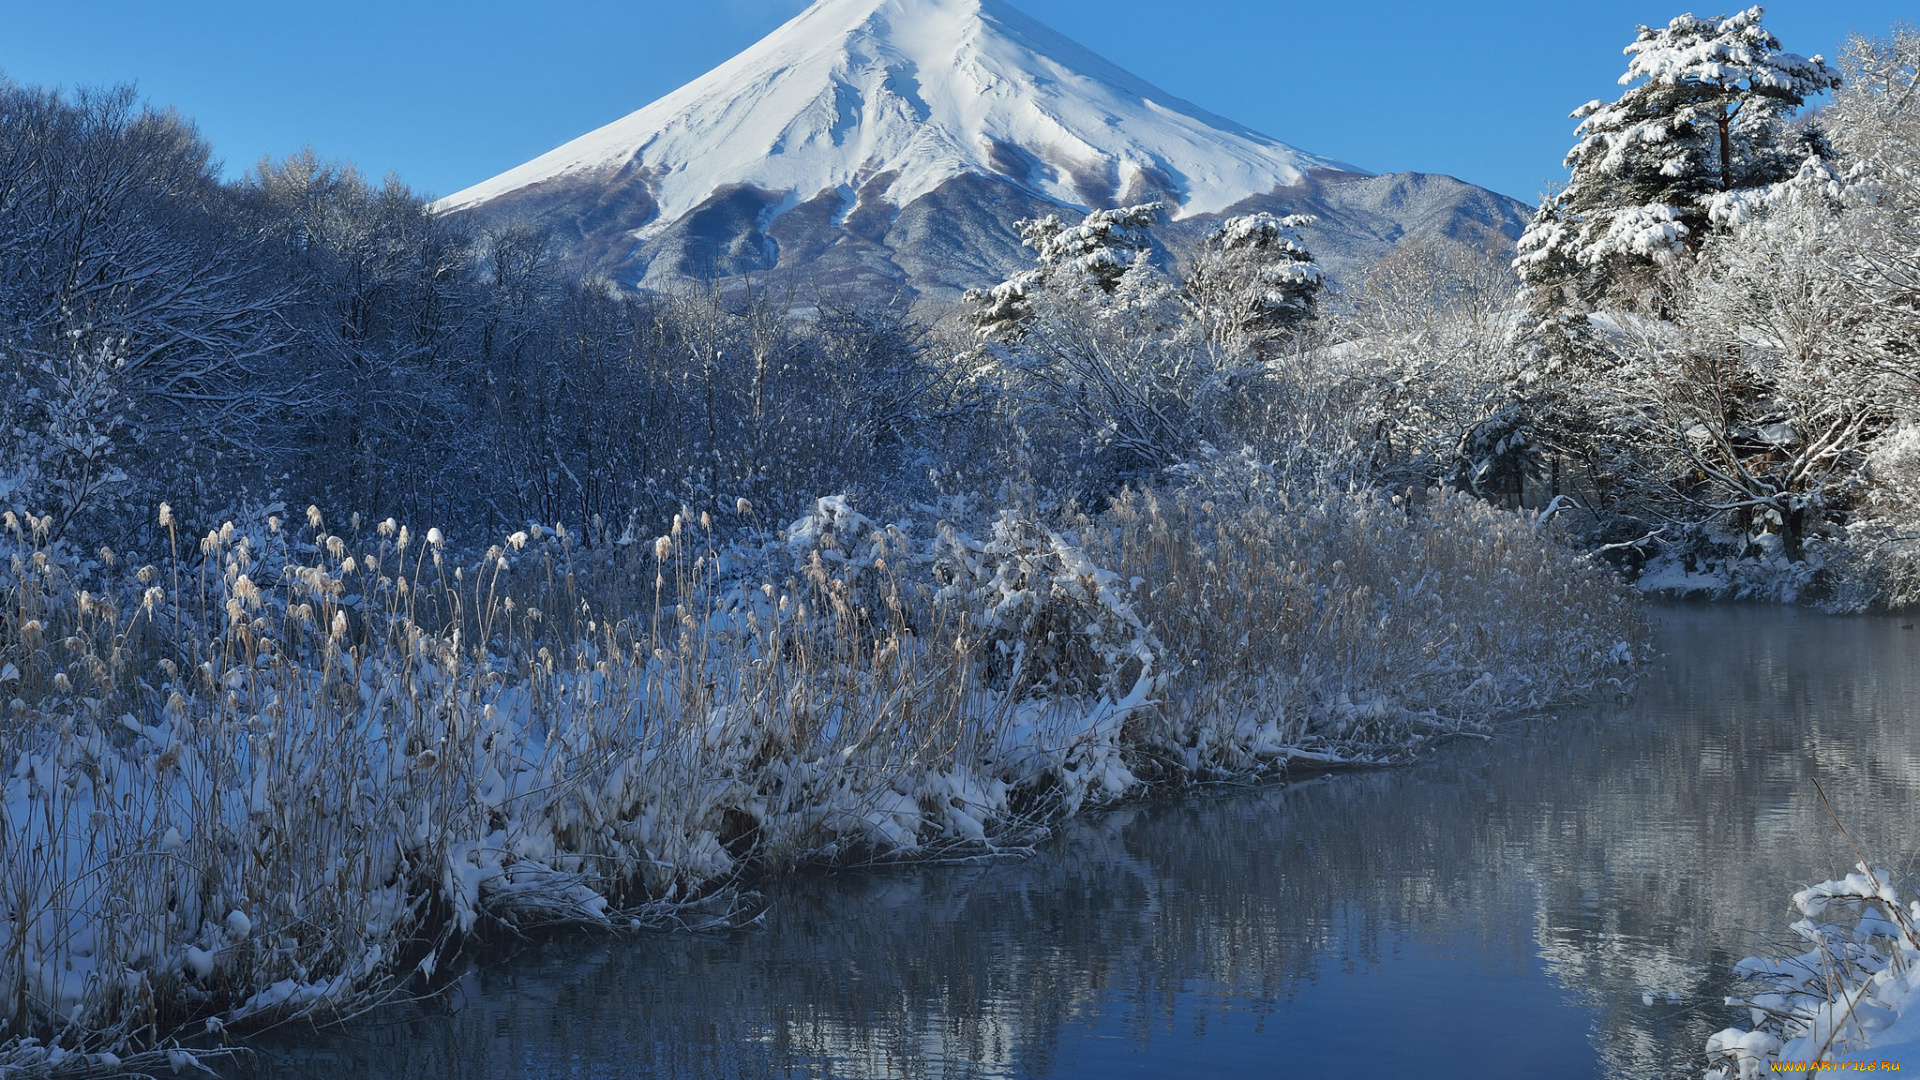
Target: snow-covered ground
287, 771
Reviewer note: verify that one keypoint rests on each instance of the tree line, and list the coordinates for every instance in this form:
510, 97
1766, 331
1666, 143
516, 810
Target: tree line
1701, 353
305, 335
1723, 305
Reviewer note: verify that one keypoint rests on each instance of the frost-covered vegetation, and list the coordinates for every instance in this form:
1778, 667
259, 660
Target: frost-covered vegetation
1853, 995
1725, 307
647, 594
286, 770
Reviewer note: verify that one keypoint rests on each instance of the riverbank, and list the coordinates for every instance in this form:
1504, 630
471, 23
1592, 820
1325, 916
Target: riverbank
1572, 893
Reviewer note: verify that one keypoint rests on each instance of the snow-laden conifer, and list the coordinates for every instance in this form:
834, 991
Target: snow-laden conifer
1092, 257
1253, 279
1752, 418
1704, 115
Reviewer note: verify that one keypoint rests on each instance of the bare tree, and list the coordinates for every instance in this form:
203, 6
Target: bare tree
129, 308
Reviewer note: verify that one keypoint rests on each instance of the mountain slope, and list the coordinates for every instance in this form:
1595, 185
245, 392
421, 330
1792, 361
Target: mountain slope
891, 143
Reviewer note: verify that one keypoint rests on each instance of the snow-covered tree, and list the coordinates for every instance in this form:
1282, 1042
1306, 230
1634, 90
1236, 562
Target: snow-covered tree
1755, 423
1873, 248
1091, 259
1874, 118
1252, 281
1703, 116
1755, 403
1877, 129
1098, 252
1098, 375
1742, 420
1430, 328
383, 298
135, 327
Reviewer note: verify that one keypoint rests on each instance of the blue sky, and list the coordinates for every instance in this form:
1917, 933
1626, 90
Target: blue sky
449, 94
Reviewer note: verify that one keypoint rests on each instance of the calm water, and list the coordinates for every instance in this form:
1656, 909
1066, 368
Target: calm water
1497, 911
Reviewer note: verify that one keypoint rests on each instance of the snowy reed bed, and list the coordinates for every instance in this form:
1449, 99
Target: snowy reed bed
287, 773
1356, 628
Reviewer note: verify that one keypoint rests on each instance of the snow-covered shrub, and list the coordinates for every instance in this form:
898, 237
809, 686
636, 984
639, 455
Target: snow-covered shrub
1836, 1001
1092, 396
1430, 335
67, 414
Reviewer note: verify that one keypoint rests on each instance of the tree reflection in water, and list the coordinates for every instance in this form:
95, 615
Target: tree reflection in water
1503, 905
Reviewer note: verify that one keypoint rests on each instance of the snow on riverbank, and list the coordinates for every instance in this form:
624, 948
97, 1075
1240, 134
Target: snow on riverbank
1852, 996
287, 771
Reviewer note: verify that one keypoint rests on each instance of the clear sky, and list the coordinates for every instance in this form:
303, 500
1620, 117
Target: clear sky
448, 94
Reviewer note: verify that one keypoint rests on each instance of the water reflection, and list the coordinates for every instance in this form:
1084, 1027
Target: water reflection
1502, 907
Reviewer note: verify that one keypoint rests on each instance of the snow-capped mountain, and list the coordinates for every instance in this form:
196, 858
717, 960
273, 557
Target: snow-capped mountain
895, 141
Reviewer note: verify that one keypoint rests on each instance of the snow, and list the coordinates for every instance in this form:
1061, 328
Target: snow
888, 99
1853, 997
1731, 51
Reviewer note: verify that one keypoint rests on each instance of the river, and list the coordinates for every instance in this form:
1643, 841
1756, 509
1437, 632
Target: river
1505, 908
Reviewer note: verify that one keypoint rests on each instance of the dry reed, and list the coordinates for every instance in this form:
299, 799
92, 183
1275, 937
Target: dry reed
287, 771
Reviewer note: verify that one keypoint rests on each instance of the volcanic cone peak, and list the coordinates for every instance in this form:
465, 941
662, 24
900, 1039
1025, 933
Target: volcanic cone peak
812, 149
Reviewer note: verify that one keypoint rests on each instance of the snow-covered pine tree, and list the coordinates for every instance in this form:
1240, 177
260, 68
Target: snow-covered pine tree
1099, 251
1093, 256
1252, 281
1703, 116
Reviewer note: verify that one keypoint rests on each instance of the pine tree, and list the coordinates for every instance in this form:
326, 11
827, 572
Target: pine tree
1703, 118
1093, 256
1252, 281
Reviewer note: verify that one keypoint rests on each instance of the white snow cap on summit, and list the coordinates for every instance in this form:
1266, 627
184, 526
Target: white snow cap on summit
926, 90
